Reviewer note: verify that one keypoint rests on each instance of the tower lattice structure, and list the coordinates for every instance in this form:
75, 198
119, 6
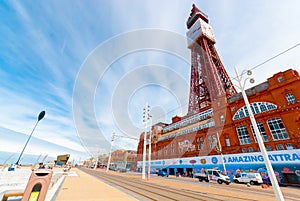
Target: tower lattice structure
209, 79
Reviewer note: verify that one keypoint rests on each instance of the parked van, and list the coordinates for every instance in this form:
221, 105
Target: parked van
213, 175
252, 178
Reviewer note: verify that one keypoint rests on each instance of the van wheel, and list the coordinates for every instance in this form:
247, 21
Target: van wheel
220, 181
252, 182
206, 180
200, 179
227, 183
236, 181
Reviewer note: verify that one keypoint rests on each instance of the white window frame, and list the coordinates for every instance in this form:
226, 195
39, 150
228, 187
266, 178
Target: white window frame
279, 131
243, 134
279, 147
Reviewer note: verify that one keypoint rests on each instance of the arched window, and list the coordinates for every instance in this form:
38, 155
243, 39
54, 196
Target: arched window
256, 107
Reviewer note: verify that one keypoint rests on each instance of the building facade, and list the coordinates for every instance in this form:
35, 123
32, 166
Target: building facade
122, 160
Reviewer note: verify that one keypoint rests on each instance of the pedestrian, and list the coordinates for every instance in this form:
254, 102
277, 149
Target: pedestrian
41, 166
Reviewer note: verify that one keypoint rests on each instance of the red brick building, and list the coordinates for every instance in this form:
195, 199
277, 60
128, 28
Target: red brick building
275, 104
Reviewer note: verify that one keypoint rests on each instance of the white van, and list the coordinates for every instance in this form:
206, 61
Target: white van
252, 178
213, 175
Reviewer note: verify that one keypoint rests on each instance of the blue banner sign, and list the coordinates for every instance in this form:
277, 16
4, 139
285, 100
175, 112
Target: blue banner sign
275, 157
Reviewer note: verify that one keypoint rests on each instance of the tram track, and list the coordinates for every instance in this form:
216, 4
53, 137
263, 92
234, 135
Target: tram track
142, 190
238, 188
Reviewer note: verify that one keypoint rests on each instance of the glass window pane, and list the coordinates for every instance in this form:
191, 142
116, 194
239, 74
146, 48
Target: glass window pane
277, 129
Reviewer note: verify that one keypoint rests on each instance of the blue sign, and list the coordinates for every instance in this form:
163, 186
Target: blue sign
214, 160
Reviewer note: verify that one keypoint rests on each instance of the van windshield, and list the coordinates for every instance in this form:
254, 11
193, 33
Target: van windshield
221, 173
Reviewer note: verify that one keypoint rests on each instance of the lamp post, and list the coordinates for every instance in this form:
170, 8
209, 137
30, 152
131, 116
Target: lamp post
220, 150
263, 150
149, 153
109, 156
40, 117
145, 119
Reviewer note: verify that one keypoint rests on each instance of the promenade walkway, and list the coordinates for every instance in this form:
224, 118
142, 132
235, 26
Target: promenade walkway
81, 186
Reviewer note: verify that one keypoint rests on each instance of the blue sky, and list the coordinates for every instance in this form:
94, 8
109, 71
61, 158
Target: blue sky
53, 57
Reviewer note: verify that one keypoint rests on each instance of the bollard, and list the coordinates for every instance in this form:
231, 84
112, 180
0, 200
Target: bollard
37, 185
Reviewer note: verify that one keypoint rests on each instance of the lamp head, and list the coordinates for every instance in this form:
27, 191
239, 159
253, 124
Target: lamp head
249, 72
41, 115
252, 80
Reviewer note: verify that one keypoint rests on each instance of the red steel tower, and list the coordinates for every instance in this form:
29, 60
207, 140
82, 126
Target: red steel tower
209, 79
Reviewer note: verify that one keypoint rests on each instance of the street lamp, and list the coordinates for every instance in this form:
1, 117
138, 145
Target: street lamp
40, 117
220, 151
109, 156
263, 150
149, 153
145, 119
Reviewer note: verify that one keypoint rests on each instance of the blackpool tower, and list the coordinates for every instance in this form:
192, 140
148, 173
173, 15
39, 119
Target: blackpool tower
209, 79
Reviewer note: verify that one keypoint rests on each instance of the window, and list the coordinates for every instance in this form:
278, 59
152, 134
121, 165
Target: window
290, 98
261, 130
277, 129
250, 149
159, 151
263, 108
279, 147
192, 119
280, 79
268, 148
166, 150
244, 150
257, 107
200, 143
243, 135
172, 148
227, 140
289, 146
180, 147
212, 140
222, 119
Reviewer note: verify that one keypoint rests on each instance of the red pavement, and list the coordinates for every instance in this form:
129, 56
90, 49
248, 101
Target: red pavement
88, 188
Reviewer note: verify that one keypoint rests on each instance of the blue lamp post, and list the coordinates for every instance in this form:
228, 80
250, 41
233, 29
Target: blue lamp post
40, 117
